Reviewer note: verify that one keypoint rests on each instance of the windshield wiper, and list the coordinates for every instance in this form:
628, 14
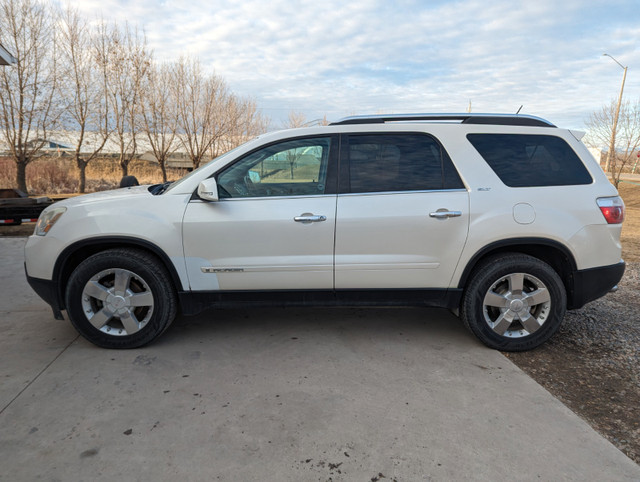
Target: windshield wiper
159, 188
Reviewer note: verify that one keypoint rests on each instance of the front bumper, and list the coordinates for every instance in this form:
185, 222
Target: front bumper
591, 284
48, 291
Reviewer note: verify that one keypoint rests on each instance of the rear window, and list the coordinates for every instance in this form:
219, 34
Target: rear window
522, 160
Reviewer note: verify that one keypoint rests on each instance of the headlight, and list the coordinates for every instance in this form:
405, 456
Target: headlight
47, 219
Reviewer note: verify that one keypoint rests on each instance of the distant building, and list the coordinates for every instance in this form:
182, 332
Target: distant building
61, 143
5, 57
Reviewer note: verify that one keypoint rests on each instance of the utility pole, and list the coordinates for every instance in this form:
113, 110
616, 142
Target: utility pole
612, 145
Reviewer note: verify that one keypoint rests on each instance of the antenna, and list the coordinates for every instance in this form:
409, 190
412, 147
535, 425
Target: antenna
519, 109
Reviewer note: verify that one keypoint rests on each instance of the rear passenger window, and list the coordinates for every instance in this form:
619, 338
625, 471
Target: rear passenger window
522, 160
399, 162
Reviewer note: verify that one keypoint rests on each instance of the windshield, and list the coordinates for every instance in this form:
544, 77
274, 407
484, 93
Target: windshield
195, 171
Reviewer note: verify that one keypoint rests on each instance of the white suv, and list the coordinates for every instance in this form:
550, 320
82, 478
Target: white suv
506, 220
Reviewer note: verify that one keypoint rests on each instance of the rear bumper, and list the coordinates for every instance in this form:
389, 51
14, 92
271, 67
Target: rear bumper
591, 284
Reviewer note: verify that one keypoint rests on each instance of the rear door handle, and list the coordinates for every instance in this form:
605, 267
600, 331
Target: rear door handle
444, 214
307, 218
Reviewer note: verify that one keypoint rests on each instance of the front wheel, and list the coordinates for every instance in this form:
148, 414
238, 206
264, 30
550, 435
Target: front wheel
120, 298
514, 302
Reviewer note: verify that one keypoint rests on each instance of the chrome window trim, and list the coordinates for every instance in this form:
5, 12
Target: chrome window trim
236, 199
378, 193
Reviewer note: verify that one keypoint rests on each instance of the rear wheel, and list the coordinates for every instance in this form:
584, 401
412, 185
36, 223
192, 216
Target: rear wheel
120, 298
514, 302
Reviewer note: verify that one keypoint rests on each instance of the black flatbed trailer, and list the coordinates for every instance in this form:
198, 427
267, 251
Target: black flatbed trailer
17, 208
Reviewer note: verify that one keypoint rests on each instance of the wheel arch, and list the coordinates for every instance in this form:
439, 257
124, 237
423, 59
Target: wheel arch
551, 252
75, 253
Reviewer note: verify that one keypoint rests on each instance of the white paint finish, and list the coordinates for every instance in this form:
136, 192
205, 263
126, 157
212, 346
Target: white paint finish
389, 240
382, 240
523, 213
578, 134
260, 236
561, 213
199, 279
598, 245
131, 212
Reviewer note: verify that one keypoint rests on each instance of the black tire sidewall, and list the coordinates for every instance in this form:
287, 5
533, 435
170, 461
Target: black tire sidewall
144, 266
490, 272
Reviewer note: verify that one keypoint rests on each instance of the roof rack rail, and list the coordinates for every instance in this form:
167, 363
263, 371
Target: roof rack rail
495, 119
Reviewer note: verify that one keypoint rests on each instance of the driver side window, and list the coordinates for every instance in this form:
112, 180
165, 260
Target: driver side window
291, 168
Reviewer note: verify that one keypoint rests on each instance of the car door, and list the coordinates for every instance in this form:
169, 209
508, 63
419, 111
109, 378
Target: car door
402, 213
273, 226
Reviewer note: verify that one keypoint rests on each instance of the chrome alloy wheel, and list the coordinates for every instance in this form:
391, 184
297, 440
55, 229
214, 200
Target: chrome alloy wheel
516, 305
117, 302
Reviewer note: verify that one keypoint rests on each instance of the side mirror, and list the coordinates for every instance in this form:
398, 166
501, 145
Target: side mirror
208, 190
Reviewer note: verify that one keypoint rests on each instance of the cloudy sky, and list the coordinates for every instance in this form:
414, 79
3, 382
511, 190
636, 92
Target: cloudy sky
338, 58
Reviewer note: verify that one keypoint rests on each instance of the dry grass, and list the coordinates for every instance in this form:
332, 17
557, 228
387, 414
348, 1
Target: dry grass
60, 175
631, 227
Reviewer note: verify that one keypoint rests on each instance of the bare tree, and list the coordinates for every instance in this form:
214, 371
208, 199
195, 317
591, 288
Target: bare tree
84, 71
296, 119
229, 118
200, 100
255, 123
600, 125
243, 122
159, 114
128, 60
29, 105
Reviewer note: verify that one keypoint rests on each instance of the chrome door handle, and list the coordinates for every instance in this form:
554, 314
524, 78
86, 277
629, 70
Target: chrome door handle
444, 214
307, 218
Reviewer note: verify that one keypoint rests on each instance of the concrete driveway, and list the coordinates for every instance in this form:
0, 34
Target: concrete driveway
282, 395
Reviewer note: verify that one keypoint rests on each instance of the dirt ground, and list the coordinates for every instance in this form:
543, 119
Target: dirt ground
593, 363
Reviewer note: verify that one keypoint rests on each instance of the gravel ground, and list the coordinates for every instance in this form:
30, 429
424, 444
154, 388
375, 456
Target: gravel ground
593, 364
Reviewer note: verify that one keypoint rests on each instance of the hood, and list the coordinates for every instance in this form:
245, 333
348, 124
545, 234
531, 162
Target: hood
115, 194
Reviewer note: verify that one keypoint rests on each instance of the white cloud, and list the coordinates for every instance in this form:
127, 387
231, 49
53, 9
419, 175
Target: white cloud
369, 56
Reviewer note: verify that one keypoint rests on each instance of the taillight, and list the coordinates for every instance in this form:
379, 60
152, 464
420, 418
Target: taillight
612, 209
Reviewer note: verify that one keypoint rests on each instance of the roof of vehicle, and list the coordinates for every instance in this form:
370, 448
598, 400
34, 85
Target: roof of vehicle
494, 119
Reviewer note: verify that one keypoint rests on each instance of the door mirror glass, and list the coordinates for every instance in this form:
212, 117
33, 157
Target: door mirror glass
208, 190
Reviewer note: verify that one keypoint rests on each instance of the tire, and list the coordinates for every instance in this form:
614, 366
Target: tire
121, 298
514, 302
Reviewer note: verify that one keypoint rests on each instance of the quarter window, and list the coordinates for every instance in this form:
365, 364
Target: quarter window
522, 160
399, 162
292, 168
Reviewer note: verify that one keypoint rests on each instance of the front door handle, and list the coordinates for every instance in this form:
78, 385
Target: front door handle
307, 218
444, 214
